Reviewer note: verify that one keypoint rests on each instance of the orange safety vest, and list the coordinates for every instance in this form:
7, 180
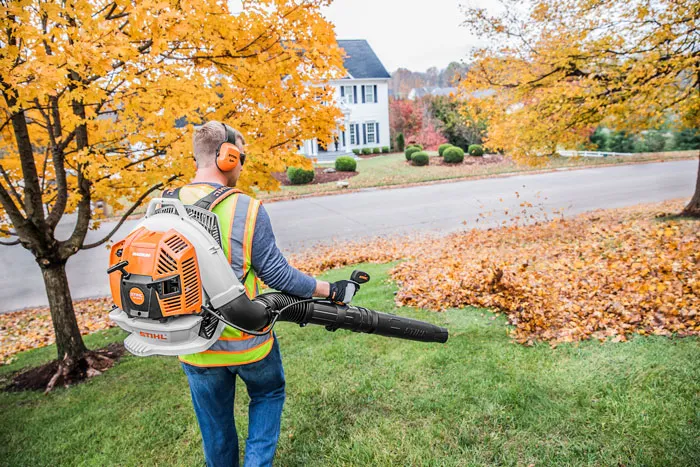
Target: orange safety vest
237, 214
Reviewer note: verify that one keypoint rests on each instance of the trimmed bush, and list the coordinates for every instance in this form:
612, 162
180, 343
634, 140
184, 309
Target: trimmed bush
420, 158
376, 150
453, 155
366, 151
409, 151
400, 144
345, 164
357, 152
385, 149
299, 176
416, 145
476, 150
442, 148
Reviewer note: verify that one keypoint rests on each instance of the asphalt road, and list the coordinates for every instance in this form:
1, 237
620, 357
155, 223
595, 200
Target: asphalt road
439, 208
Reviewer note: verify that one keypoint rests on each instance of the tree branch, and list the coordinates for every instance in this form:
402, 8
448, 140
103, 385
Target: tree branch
10, 186
10, 243
129, 212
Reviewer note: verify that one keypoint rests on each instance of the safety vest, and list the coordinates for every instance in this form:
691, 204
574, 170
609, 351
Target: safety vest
237, 214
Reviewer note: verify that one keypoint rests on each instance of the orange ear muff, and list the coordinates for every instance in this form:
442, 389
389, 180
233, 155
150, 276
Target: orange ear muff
228, 157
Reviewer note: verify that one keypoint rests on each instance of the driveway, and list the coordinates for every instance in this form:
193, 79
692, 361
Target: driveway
438, 208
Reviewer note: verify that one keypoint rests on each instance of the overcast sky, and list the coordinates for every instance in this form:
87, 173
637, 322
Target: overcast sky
414, 34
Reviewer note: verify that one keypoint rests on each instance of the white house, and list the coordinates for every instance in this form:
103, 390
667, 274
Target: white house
363, 97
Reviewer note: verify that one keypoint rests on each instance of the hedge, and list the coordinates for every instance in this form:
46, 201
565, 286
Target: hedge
357, 152
366, 151
400, 142
345, 164
376, 150
476, 150
299, 176
385, 149
453, 155
420, 158
442, 148
409, 151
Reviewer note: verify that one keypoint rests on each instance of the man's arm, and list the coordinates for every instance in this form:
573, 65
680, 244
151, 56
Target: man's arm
272, 267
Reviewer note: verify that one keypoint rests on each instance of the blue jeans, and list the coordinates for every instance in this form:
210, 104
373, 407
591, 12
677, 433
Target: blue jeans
213, 390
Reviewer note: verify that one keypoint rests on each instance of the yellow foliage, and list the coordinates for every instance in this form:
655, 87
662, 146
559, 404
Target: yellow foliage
126, 72
559, 68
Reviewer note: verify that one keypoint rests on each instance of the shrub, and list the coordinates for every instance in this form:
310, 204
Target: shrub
416, 145
299, 175
366, 151
476, 150
442, 148
345, 164
385, 149
409, 151
420, 158
453, 155
400, 144
376, 150
357, 152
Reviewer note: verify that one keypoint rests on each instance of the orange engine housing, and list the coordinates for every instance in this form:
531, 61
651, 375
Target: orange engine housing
154, 259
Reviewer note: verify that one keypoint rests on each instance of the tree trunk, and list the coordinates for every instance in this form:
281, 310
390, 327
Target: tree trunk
693, 207
68, 339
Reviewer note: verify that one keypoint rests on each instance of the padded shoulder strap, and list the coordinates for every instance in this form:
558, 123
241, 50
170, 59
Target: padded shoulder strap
210, 201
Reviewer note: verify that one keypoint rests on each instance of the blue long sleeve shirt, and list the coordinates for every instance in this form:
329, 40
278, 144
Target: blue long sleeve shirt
270, 264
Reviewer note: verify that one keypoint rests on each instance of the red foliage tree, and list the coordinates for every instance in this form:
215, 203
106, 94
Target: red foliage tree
405, 116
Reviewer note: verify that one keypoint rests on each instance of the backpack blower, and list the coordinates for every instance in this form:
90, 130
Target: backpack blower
174, 290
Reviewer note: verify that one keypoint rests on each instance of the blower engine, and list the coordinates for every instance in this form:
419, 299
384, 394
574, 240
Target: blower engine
174, 290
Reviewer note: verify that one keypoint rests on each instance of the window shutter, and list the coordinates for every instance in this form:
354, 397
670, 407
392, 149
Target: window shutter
363, 93
344, 145
357, 134
364, 130
354, 93
342, 91
375, 95
376, 130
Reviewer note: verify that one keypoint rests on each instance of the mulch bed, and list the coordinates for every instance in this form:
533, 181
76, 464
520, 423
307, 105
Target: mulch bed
489, 159
319, 177
37, 378
371, 156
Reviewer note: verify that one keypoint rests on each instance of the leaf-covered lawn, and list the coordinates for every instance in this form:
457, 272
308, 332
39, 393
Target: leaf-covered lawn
606, 274
366, 400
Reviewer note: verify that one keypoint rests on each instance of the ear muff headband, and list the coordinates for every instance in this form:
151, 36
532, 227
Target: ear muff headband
228, 154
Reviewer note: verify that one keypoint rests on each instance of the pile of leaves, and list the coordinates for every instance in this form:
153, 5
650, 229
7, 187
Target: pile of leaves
604, 275
31, 328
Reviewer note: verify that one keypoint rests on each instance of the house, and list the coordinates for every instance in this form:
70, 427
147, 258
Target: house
417, 93
363, 97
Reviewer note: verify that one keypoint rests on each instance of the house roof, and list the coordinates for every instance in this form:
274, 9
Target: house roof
361, 61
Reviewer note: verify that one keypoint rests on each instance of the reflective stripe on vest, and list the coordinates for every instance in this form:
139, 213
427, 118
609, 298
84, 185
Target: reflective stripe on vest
237, 215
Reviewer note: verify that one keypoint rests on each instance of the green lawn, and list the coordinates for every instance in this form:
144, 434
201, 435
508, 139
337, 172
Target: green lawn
392, 169
367, 400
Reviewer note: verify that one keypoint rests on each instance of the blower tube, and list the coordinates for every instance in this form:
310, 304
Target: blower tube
258, 313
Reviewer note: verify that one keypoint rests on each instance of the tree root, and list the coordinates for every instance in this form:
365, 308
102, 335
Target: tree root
68, 371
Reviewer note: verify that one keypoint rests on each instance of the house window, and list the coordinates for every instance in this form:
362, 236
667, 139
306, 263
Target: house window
348, 93
353, 136
371, 133
369, 93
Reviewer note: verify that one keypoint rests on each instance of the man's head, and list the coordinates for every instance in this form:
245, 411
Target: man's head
207, 140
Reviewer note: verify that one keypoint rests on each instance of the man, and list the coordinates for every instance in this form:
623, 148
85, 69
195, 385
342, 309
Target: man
249, 243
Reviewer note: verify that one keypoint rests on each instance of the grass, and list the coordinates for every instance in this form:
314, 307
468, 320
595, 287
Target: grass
367, 400
392, 169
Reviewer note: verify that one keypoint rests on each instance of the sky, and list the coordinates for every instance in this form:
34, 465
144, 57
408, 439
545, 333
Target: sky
413, 34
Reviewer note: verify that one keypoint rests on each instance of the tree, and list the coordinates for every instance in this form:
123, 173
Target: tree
405, 116
458, 125
91, 94
560, 68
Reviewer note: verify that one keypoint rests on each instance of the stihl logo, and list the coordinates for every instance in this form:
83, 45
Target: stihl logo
136, 296
142, 255
151, 335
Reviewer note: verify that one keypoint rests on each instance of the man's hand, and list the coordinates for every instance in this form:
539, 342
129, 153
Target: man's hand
341, 292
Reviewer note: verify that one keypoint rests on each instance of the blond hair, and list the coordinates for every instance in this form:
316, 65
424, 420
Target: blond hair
207, 139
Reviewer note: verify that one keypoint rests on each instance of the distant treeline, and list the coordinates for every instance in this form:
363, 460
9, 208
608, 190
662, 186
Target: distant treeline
403, 80
660, 140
